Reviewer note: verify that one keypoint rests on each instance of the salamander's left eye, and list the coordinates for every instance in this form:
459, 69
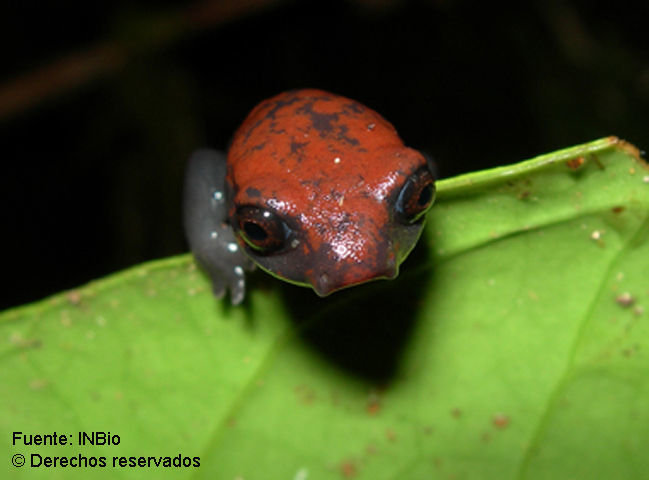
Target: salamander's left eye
263, 230
416, 196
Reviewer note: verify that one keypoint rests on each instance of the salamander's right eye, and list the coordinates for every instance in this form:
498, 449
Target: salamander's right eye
263, 230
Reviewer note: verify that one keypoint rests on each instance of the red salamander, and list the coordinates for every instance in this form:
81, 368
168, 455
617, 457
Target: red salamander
316, 189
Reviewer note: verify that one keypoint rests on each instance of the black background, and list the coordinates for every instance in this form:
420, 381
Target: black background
91, 175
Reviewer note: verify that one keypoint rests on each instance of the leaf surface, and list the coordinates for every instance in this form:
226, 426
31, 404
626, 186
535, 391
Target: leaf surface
514, 344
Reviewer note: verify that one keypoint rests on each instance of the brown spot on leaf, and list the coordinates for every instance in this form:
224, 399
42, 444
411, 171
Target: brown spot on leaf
625, 300
500, 421
575, 163
629, 351
305, 394
373, 406
74, 297
626, 146
38, 383
348, 469
524, 194
19, 341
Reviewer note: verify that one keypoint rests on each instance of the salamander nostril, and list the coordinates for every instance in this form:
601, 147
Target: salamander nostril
325, 283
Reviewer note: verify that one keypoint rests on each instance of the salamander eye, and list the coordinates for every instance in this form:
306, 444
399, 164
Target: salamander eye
263, 230
416, 196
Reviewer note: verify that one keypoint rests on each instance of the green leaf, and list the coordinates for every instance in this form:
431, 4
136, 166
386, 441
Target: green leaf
514, 344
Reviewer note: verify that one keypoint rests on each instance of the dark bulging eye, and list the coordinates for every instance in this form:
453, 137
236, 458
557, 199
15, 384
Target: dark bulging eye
416, 196
263, 230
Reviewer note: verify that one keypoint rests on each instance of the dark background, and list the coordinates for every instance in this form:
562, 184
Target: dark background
101, 103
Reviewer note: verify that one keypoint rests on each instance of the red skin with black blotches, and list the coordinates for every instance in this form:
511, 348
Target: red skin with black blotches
332, 169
